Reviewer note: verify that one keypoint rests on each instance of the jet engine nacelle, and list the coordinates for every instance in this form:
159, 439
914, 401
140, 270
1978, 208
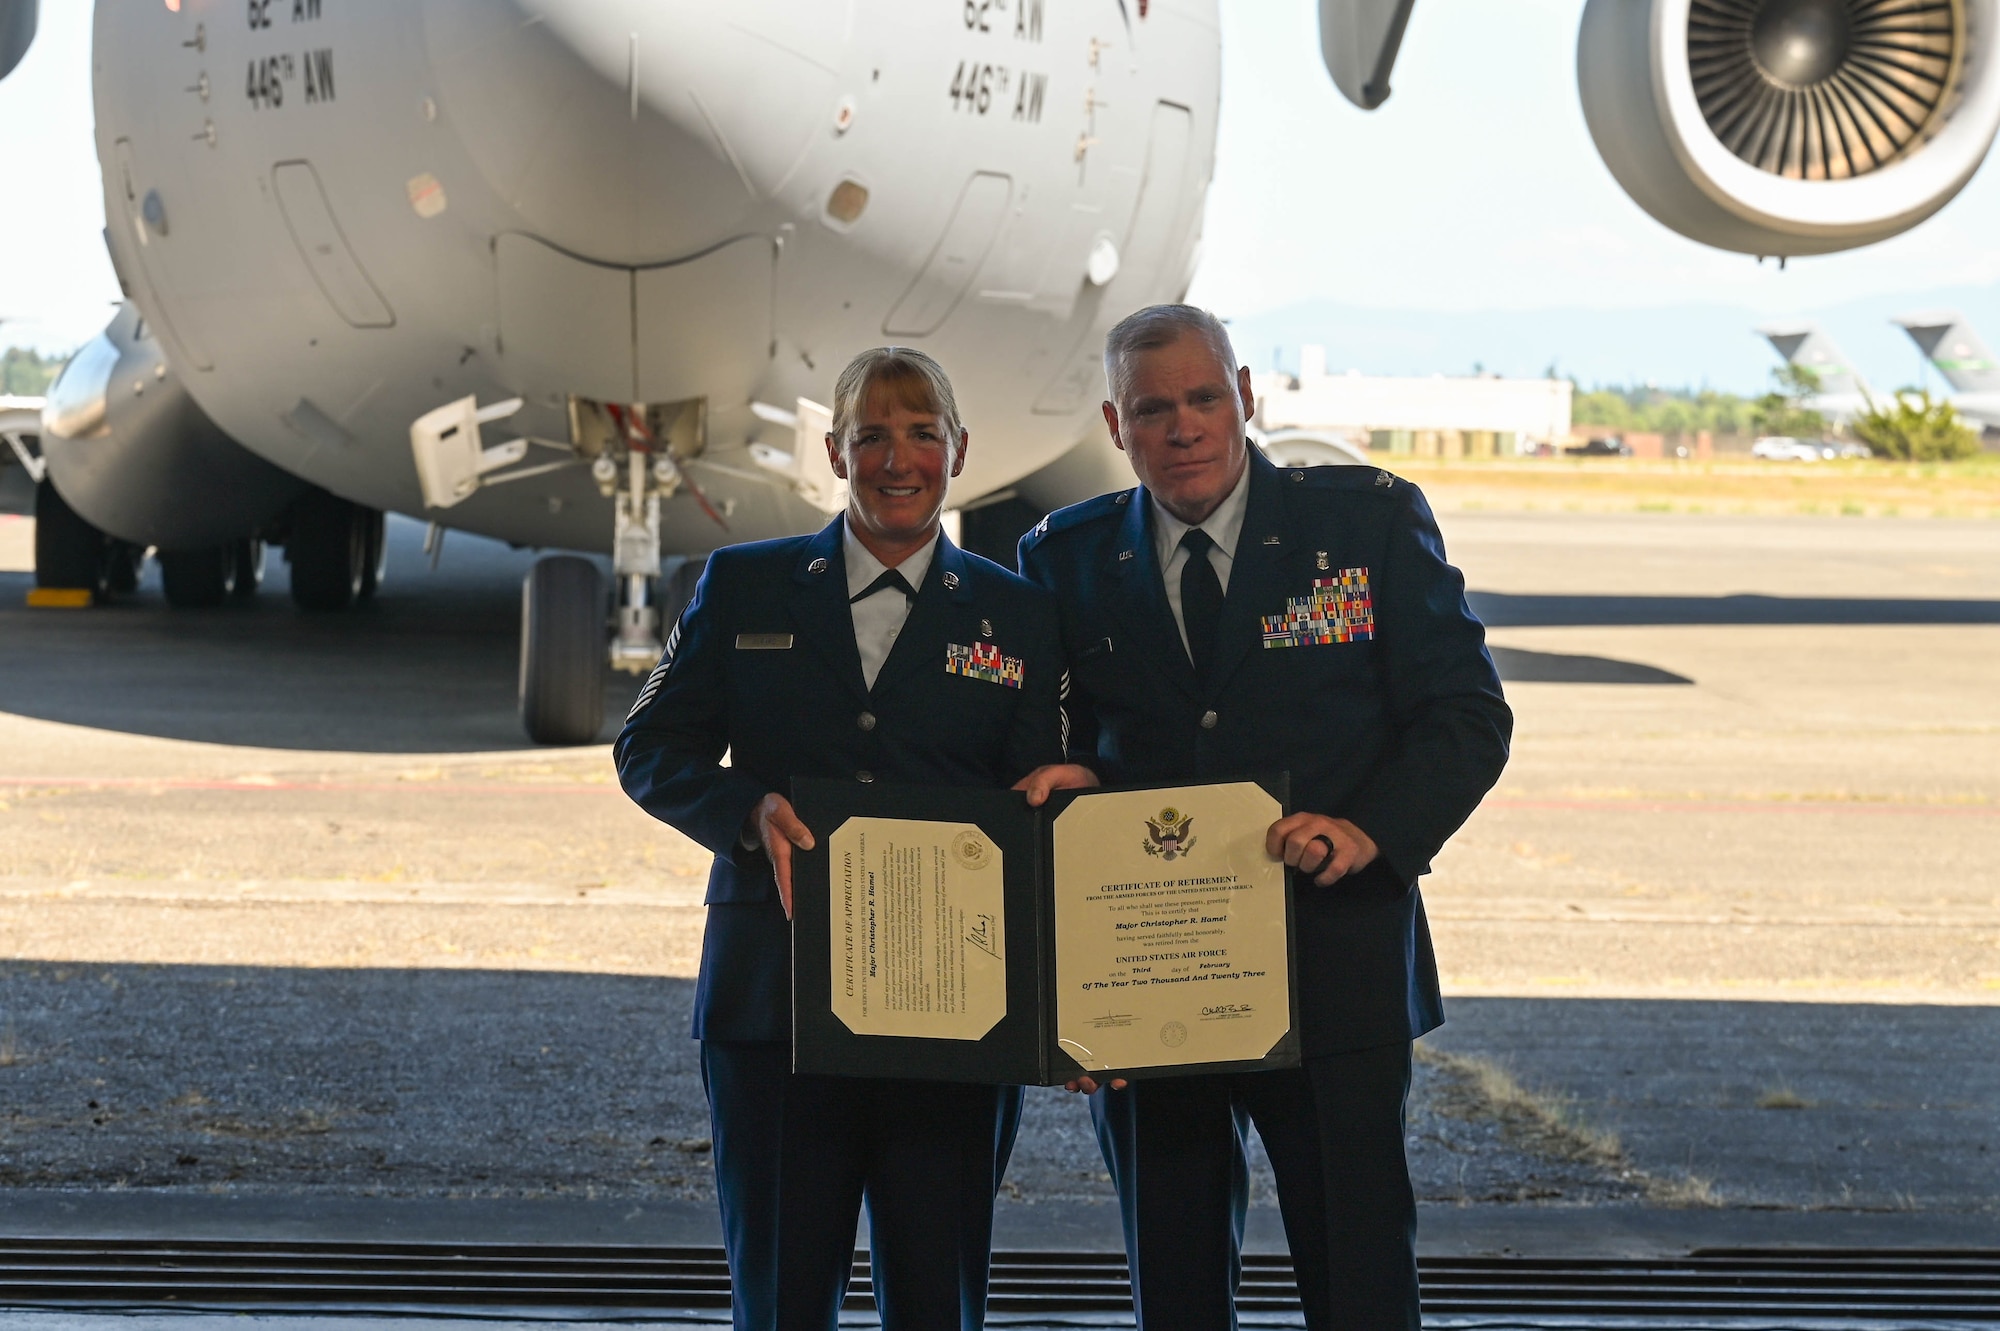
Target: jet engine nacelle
129, 450
1788, 127
17, 32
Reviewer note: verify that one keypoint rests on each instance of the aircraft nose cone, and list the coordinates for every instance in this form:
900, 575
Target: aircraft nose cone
629, 132
1800, 43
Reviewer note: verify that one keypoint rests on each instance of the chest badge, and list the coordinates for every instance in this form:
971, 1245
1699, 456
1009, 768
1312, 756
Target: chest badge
1337, 609
983, 660
985, 628
1320, 561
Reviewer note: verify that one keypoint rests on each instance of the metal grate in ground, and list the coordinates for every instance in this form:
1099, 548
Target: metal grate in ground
1817, 1284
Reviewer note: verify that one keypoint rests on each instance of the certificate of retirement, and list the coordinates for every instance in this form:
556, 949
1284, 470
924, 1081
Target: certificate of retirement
1171, 930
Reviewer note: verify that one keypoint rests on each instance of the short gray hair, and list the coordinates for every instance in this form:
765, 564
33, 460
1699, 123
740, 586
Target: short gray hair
922, 382
1160, 326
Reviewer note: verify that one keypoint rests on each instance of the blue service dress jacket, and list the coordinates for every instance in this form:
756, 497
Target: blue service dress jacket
763, 666
1347, 655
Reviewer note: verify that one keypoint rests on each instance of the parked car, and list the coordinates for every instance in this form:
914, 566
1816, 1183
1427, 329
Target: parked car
1784, 448
1600, 448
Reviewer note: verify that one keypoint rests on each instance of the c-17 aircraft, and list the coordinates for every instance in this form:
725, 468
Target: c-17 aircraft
1842, 393
577, 274
1948, 341
1946, 338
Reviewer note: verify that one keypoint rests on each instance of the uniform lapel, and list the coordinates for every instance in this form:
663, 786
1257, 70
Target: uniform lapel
819, 606
1259, 573
1140, 595
926, 631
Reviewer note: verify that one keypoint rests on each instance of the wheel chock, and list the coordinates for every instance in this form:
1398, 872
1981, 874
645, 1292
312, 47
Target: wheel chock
59, 598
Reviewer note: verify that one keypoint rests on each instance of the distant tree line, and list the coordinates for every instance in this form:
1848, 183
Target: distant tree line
26, 373
1653, 410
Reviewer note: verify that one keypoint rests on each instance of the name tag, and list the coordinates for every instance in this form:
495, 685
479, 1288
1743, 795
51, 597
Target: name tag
763, 642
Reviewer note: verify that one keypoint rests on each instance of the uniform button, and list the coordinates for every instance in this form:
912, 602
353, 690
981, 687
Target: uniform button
866, 720
864, 777
1208, 720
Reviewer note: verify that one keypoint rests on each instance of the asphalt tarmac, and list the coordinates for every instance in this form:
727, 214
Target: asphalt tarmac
291, 919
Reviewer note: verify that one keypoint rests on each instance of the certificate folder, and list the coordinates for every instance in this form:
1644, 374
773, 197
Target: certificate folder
955, 934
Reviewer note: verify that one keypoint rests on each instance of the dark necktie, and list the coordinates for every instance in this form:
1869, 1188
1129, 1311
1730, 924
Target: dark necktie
890, 578
1201, 600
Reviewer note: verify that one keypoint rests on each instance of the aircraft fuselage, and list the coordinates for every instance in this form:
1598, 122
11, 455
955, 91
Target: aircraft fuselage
338, 215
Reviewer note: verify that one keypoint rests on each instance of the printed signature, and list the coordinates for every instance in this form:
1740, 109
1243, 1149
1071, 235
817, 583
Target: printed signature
985, 935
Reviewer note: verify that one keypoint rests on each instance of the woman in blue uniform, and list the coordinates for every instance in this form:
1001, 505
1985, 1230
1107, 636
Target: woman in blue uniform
826, 656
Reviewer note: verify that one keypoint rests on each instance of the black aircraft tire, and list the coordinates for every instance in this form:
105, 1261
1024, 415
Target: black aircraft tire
562, 651
199, 579
122, 569
328, 551
69, 552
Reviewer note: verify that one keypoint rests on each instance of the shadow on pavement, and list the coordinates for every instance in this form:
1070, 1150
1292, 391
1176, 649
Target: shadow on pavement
428, 666
1512, 610
372, 1082
1520, 666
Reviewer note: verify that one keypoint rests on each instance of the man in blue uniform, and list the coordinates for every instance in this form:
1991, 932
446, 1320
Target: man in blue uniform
1226, 618
830, 656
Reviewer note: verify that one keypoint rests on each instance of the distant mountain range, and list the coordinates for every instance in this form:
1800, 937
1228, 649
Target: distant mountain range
1673, 346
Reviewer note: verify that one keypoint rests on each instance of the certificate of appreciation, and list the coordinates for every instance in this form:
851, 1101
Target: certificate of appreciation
916, 942
956, 934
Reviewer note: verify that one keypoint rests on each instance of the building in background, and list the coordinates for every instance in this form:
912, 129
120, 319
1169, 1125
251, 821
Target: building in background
1438, 416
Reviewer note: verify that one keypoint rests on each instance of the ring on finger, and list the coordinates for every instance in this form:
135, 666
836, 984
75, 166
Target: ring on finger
1331, 849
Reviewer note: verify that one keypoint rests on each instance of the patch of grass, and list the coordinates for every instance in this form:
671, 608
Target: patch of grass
1782, 1097
1550, 1125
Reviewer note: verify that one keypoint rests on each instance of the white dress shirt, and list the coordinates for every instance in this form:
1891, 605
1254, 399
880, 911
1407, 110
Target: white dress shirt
879, 619
1223, 526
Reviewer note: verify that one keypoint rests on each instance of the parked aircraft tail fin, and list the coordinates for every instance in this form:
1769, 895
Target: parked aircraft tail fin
1807, 345
1961, 357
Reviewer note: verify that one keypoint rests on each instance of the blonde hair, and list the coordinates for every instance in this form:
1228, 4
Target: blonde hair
920, 382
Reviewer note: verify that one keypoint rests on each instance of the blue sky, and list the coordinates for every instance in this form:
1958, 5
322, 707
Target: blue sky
1405, 238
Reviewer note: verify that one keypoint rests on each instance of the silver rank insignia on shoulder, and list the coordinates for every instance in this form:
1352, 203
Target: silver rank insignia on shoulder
1122, 498
951, 582
1320, 560
1042, 527
1384, 479
985, 628
1124, 555
817, 566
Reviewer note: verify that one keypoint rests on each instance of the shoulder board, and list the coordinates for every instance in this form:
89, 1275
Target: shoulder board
1076, 515
1373, 480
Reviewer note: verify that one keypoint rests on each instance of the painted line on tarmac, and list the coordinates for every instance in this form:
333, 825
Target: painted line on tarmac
1747, 806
